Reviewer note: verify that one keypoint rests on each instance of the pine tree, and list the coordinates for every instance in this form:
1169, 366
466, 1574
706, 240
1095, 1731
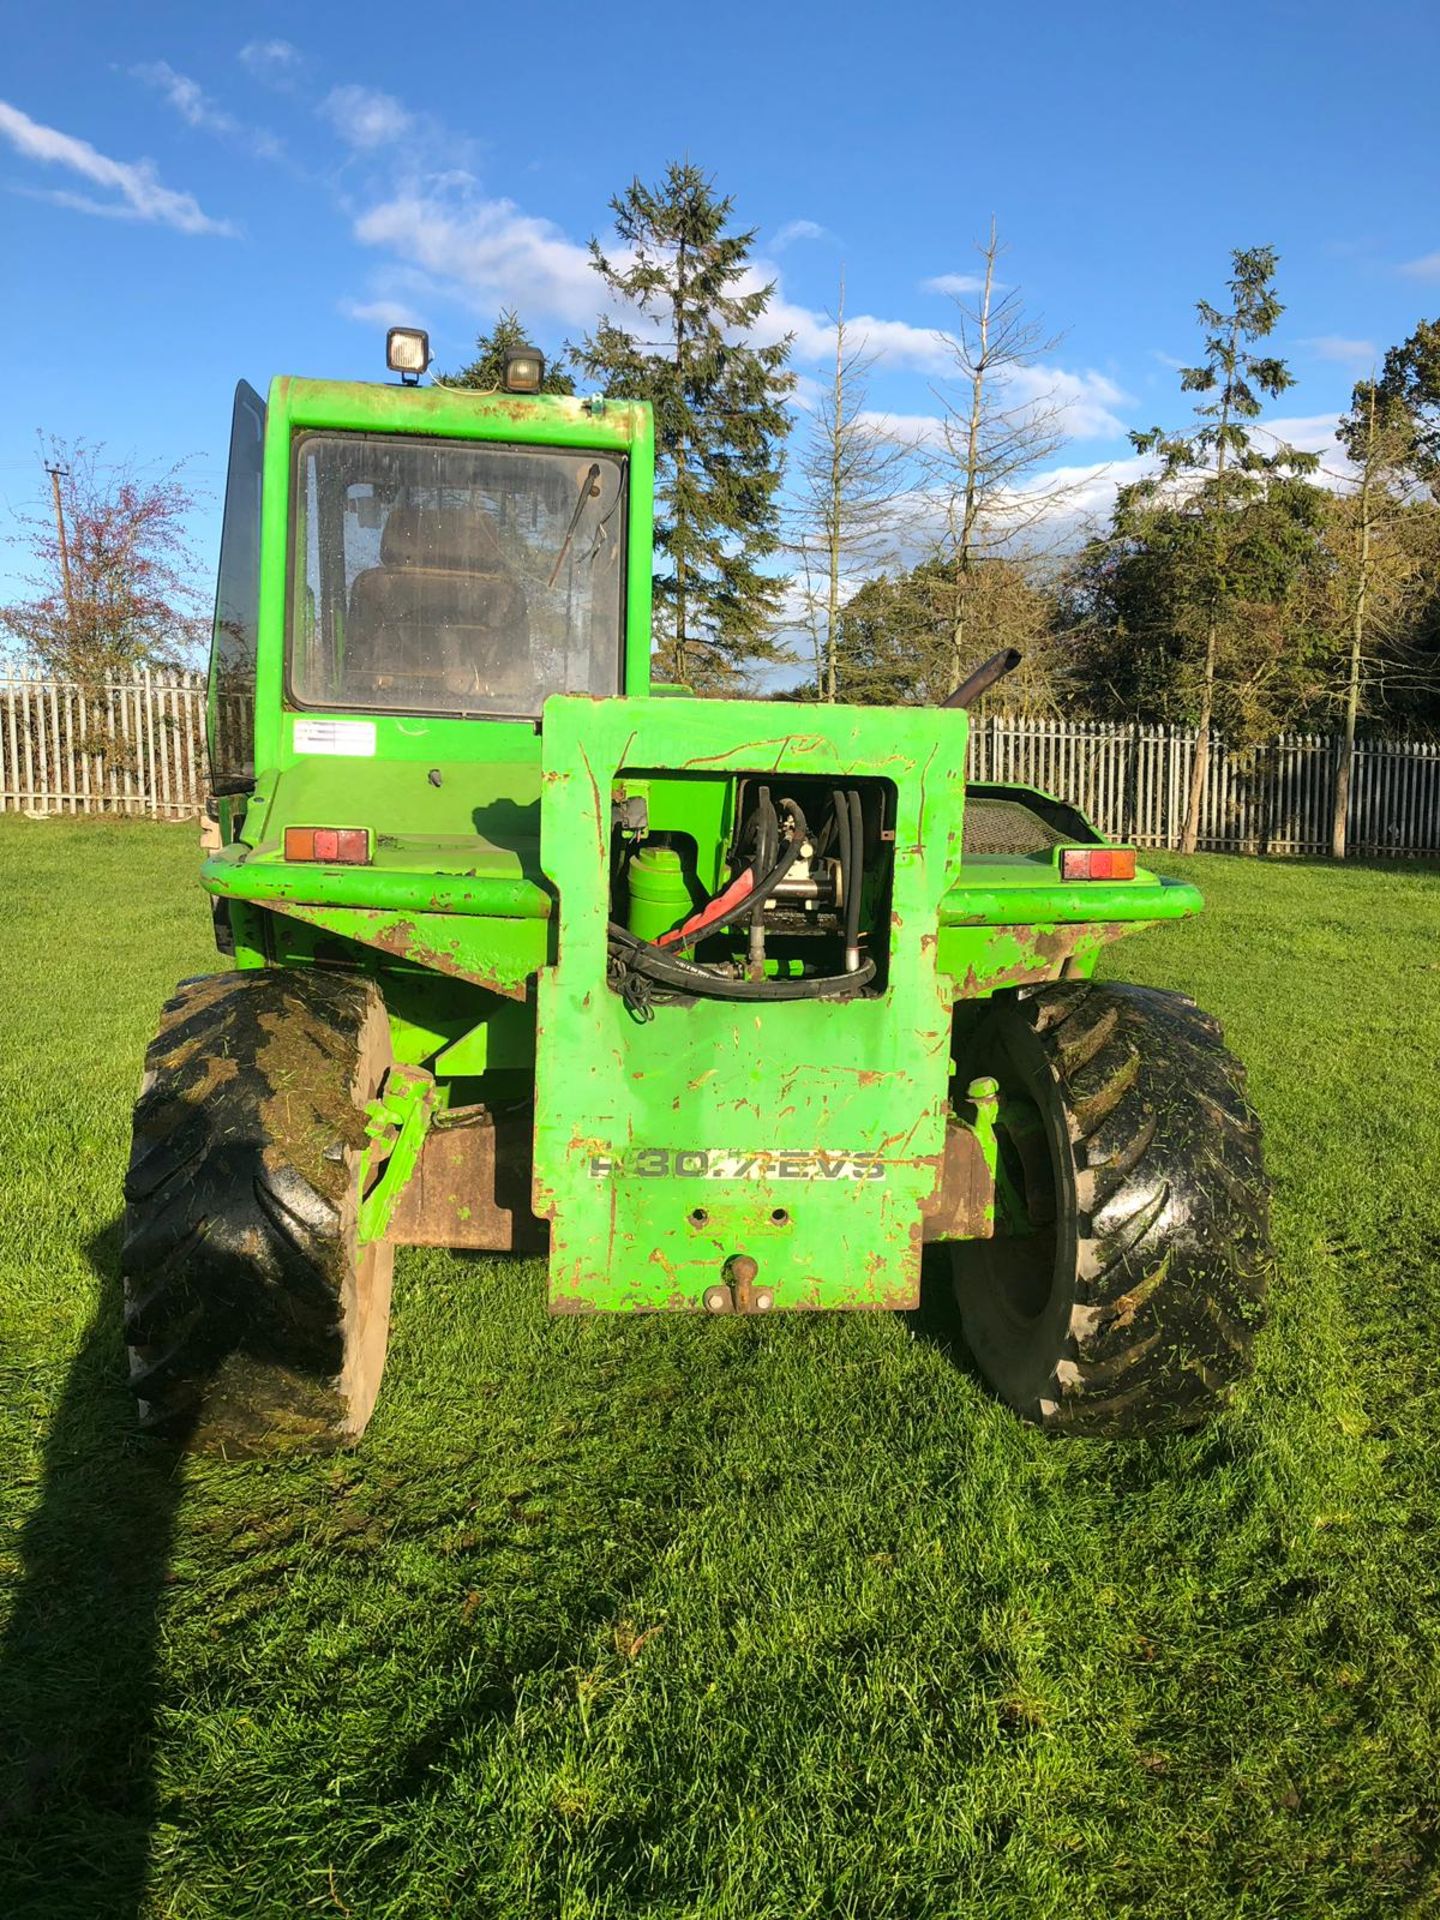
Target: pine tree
720, 419
486, 372
1220, 449
1408, 397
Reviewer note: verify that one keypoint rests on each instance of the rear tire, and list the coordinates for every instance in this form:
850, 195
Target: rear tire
255, 1320
1130, 1303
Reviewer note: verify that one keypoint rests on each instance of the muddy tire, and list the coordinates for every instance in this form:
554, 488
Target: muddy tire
1125, 1284
255, 1321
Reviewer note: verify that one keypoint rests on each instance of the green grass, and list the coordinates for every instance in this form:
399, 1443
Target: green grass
781, 1619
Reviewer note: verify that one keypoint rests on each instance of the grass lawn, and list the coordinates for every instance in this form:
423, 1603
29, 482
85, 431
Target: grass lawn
781, 1619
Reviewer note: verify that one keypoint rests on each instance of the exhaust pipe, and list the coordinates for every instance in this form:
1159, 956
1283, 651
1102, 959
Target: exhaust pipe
984, 677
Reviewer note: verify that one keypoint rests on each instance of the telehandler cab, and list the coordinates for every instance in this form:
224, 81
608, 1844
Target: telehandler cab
729, 1006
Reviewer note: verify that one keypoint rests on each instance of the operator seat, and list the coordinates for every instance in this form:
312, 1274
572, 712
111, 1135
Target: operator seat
442, 618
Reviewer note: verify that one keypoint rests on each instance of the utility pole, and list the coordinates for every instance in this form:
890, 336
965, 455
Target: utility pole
56, 475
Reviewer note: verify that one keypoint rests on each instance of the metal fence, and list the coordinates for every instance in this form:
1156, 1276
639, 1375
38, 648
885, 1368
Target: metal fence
1134, 782
128, 747
138, 747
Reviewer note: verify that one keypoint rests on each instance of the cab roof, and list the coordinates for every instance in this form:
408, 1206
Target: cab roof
461, 413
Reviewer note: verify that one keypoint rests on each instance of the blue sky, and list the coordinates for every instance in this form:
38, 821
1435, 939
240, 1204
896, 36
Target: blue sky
190, 194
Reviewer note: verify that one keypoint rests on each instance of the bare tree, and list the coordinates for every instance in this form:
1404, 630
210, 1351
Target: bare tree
115, 582
993, 436
849, 478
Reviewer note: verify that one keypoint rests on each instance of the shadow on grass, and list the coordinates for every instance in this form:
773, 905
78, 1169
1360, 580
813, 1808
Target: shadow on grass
77, 1661
936, 1321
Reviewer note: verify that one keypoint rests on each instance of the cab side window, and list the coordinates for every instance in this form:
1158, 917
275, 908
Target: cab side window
237, 603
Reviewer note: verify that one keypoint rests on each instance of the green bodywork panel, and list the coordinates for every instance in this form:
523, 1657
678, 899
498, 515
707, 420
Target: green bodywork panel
808, 1135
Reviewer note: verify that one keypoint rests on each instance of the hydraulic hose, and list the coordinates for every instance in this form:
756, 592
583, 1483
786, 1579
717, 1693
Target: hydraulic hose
630, 957
744, 899
764, 888
854, 878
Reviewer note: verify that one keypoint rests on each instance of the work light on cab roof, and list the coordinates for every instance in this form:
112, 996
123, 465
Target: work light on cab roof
726, 1006
524, 370
407, 352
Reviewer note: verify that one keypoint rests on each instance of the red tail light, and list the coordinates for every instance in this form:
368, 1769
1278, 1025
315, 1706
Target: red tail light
336, 846
1097, 863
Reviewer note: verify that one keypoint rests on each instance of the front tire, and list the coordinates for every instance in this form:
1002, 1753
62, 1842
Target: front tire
256, 1321
1125, 1283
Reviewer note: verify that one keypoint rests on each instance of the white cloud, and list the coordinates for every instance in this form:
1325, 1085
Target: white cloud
364, 118
1308, 433
186, 96
487, 252
197, 109
894, 341
1427, 267
141, 194
1078, 405
1083, 403
956, 283
1083, 493
275, 62
1345, 353
914, 430
382, 313
490, 253
797, 230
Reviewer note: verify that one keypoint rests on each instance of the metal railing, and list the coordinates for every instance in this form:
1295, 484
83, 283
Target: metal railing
138, 747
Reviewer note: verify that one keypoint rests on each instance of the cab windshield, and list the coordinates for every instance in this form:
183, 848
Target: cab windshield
453, 576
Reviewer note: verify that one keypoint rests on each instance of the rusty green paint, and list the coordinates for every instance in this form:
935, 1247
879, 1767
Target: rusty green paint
1029, 894
232, 873
984, 960
832, 1115
500, 955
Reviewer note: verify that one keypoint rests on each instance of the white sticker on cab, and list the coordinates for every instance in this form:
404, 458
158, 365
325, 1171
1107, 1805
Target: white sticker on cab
353, 737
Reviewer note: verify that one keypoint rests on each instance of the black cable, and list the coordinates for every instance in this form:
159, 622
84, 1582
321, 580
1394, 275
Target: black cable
754, 902
767, 831
630, 956
840, 814
855, 877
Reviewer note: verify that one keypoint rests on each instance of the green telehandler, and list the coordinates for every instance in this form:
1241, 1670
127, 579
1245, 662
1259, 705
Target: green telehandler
726, 1006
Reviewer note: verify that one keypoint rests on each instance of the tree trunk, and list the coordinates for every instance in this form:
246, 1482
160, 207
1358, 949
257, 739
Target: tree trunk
1219, 560
1343, 773
970, 512
1340, 823
1200, 766
680, 666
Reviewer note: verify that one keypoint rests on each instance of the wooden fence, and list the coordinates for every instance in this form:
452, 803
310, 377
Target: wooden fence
139, 748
